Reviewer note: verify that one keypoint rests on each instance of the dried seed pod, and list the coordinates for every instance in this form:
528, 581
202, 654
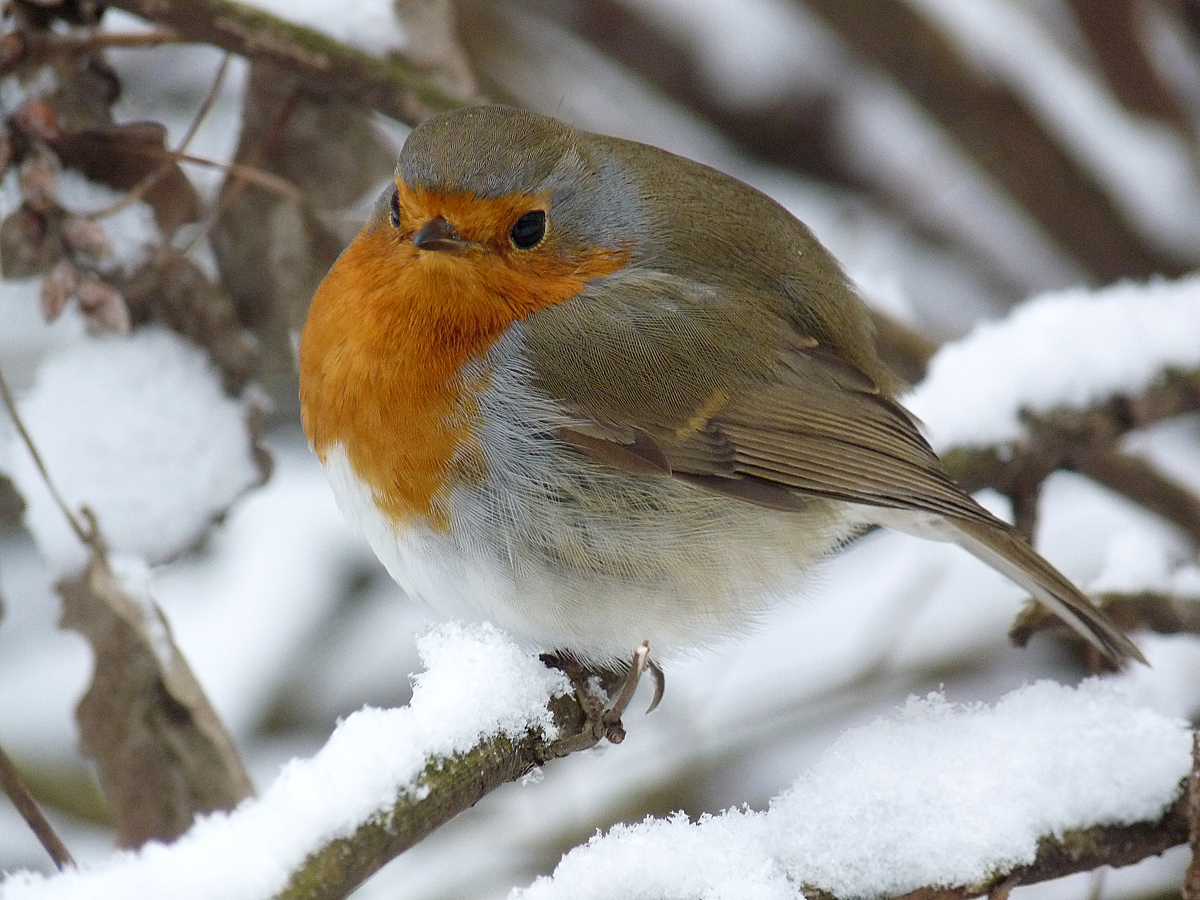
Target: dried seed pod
38, 119
59, 285
38, 180
103, 306
86, 236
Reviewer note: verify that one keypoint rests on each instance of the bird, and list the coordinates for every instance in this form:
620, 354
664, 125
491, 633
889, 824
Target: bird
599, 395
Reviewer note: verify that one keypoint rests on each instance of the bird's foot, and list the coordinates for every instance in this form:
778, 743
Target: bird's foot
605, 695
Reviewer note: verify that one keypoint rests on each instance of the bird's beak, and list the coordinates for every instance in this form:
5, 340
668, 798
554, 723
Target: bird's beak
438, 234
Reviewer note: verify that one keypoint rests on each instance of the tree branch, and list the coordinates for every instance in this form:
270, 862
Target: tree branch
1084, 441
1135, 478
327, 67
1075, 851
995, 127
14, 786
1113, 30
453, 785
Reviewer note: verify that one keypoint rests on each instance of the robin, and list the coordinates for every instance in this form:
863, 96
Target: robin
600, 394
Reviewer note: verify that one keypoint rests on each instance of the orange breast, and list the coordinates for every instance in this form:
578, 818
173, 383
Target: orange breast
390, 330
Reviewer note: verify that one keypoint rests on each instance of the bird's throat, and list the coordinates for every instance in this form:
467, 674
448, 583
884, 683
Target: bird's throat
382, 376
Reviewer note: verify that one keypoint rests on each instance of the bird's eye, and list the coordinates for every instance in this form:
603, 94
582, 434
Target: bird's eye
529, 230
395, 207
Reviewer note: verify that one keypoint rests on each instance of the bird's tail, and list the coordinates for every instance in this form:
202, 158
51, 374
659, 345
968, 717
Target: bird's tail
1003, 548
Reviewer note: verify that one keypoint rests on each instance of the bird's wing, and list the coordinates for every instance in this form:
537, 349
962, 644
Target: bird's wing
724, 390
721, 389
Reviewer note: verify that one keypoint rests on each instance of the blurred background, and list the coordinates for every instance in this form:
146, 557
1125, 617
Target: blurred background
957, 156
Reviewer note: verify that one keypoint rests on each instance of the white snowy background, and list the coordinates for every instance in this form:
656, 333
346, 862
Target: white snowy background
873, 735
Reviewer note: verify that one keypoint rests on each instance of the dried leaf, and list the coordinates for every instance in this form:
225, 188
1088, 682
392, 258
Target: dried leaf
25, 250
87, 237
39, 180
164, 756
37, 119
58, 287
104, 307
121, 156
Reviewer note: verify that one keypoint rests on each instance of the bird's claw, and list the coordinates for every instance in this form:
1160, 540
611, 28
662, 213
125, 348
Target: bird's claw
603, 716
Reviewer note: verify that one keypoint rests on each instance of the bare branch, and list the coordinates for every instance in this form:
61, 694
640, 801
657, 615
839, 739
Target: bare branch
1114, 32
1137, 611
1142, 483
40, 43
1085, 441
999, 132
85, 536
328, 67
22, 799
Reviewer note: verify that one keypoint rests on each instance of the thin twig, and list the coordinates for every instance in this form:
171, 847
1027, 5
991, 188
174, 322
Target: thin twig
230, 195
22, 800
243, 171
1083, 439
87, 537
139, 190
100, 39
206, 106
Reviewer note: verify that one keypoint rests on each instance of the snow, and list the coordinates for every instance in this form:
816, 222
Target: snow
370, 25
373, 757
752, 51
275, 563
1136, 560
1071, 348
938, 794
138, 429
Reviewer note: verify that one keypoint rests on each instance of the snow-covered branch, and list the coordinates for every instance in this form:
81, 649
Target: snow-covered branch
939, 800
1059, 383
482, 713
